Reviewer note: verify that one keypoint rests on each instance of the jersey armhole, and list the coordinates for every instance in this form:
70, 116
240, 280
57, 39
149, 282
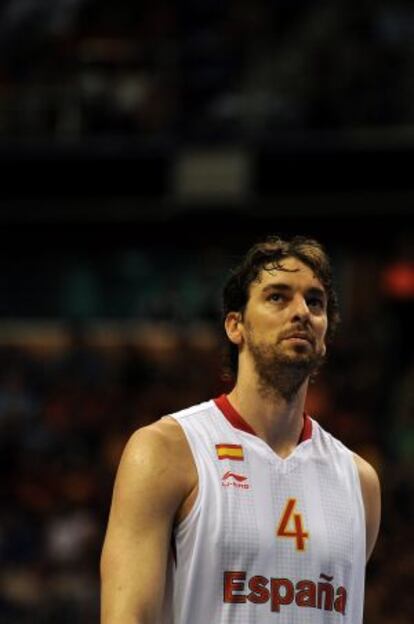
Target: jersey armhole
357, 481
197, 503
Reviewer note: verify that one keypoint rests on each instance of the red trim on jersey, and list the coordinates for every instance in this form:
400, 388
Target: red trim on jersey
306, 433
232, 415
237, 421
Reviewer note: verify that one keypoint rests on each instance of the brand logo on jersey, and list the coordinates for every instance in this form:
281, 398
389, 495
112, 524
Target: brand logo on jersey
230, 451
231, 479
282, 591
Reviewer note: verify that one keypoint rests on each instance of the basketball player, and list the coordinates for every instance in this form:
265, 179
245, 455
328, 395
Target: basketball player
243, 509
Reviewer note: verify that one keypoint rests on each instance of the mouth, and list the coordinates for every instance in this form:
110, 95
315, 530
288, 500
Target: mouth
299, 337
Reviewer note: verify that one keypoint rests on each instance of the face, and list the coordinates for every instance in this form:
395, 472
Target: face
284, 323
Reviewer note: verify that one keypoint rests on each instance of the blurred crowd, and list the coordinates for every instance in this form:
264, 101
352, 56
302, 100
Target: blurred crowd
245, 69
65, 414
69, 401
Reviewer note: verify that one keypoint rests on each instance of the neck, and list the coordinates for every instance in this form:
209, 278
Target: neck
274, 418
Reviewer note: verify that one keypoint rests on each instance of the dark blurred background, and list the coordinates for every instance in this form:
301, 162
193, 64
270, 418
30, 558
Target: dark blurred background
143, 147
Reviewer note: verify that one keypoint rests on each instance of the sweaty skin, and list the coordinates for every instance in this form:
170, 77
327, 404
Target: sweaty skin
154, 488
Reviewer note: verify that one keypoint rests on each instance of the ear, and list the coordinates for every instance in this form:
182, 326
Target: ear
233, 326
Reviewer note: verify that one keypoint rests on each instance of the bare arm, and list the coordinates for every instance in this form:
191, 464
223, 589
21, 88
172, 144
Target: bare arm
153, 479
371, 494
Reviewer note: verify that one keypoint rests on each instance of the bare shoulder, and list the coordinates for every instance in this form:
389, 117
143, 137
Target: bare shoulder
164, 434
367, 474
158, 447
371, 494
157, 459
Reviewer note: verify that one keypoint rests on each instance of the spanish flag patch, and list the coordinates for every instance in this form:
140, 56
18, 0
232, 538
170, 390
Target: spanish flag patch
230, 451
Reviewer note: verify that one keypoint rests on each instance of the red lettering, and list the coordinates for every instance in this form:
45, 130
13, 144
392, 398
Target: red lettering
259, 593
233, 582
328, 590
281, 592
278, 598
340, 600
306, 596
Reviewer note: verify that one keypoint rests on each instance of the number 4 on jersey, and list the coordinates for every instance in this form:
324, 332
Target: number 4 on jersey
291, 525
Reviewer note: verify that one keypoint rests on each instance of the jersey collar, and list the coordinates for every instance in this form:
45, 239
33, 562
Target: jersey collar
238, 422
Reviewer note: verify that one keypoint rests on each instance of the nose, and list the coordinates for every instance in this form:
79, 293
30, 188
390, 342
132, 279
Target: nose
300, 309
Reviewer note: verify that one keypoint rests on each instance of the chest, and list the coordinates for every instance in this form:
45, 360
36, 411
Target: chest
299, 517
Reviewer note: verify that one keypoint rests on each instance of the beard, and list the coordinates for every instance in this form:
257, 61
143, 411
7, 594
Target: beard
280, 371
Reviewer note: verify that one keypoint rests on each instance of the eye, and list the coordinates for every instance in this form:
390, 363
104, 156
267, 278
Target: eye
276, 297
316, 302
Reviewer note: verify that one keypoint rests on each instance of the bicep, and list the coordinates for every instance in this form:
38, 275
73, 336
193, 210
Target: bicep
135, 551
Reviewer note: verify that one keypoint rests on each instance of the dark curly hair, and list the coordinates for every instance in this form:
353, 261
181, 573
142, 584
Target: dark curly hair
270, 252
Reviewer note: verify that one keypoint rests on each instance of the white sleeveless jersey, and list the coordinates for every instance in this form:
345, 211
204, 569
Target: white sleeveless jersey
268, 540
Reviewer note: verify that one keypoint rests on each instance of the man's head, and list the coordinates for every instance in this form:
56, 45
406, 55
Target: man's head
279, 306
